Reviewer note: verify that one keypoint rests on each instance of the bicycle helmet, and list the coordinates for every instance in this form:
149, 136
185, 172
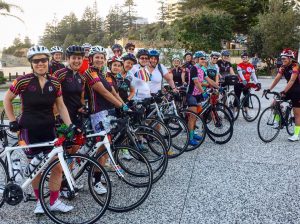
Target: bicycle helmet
97, 50
75, 50
86, 45
56, 49
244, 54
154, 53
142, 52
225, 53
199, 54
36, 50
129, 56
114, 59
215, 54
287, 53
176, 57
187, 53
128, 45
117, 46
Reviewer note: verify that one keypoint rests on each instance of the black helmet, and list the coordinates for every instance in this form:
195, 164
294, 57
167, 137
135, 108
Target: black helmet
129, 56
244, 54
75, 50
117, 46
142, 52
128, 45
188, 53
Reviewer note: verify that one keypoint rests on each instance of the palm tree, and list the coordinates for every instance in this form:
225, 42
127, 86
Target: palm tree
6, 7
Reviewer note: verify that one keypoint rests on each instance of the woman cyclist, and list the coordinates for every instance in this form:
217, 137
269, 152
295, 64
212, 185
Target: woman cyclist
196, 93
117, 49
177, 71
212, 68
225, 67
100, 98
290, 71
39, 93
55, 63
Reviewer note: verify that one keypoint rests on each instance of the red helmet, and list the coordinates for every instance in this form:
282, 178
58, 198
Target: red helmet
287, 52
114, 59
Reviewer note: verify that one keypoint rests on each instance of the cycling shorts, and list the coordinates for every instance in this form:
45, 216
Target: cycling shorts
193, 101
36, 135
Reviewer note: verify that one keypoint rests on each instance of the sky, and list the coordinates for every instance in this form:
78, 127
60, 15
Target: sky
38, 12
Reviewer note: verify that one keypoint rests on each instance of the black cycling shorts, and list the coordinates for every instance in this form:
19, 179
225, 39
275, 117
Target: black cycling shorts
36, 135
295, 98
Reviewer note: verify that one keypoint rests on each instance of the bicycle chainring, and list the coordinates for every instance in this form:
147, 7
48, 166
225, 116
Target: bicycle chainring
13, 194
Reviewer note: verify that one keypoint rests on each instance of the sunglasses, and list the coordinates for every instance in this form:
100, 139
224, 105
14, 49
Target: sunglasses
215, 58
144, 58
117, 50
131, 49
36, 61
245, 57
202, 59
284, 58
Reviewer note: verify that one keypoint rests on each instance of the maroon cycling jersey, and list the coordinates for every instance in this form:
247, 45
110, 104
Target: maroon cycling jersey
37, 102
97, 102
55, 66
72, 86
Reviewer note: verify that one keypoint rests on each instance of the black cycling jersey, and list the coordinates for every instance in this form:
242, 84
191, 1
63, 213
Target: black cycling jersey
188, 66
55, 66
37, 103
72, 86
123, 84
224, 67
96, 101
177, 76
288, 71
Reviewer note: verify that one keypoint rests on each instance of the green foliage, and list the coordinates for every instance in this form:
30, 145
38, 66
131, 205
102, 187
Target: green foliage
277, 29
204, 30
2, 78
17, 45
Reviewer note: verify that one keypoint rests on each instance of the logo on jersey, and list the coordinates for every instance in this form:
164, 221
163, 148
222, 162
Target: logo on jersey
32, 88
50, 88
79, 81
69, 79
249, 69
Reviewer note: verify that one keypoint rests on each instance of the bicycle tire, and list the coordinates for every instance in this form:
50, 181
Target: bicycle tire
103, 202
234, 97
17, 104
3, 180
221, 140
134, 189
259, 124
290, 122
251, 98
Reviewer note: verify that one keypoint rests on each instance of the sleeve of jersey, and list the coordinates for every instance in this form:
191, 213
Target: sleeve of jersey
57, 86
296, 70
240, 72
18, 85
91, 78
60, 76
194, 73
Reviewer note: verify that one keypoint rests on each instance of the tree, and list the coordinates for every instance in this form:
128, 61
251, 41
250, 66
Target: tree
204, 30
114, 25
277, 29
27, 42
5, 9
163, 12
129, 14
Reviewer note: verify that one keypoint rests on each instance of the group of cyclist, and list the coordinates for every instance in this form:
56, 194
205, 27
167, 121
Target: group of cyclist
55, 92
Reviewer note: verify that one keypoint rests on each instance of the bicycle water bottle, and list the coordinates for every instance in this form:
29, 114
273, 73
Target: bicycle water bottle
33, 164
17, 170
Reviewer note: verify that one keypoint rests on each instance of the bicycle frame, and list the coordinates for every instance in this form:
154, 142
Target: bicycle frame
57, 151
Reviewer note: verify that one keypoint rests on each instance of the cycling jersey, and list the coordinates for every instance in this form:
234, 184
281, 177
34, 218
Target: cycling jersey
72, 85
224, 67
111, 79
55, 66
212, 71
246, 71
96, 101
124, 84
85, 65
198, 73
157, 78
141, 80
188, 66
37, 103
177, 75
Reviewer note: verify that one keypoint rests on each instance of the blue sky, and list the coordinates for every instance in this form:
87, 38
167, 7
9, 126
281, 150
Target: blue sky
38, 13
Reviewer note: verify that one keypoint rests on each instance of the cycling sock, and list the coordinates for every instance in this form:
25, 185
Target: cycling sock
37, 193
277, 117
297, 130
97, 176
192, 135
53, 197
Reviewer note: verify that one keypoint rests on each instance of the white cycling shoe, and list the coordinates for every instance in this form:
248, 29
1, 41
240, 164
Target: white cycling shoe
294, 138
38, 208
59, 206
100, 189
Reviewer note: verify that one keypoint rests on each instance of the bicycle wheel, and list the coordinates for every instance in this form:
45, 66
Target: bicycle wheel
179, 134
221, 140
251, 112
3, 180
17, 112
88, 206
152, 148
199, 127
231, 99
217, 122
132, 189
227, 110
290, 121
265, 126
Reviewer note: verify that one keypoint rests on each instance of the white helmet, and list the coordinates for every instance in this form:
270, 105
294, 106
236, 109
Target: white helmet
56, 49
176, 57
97, 50
36, 50
86, 45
